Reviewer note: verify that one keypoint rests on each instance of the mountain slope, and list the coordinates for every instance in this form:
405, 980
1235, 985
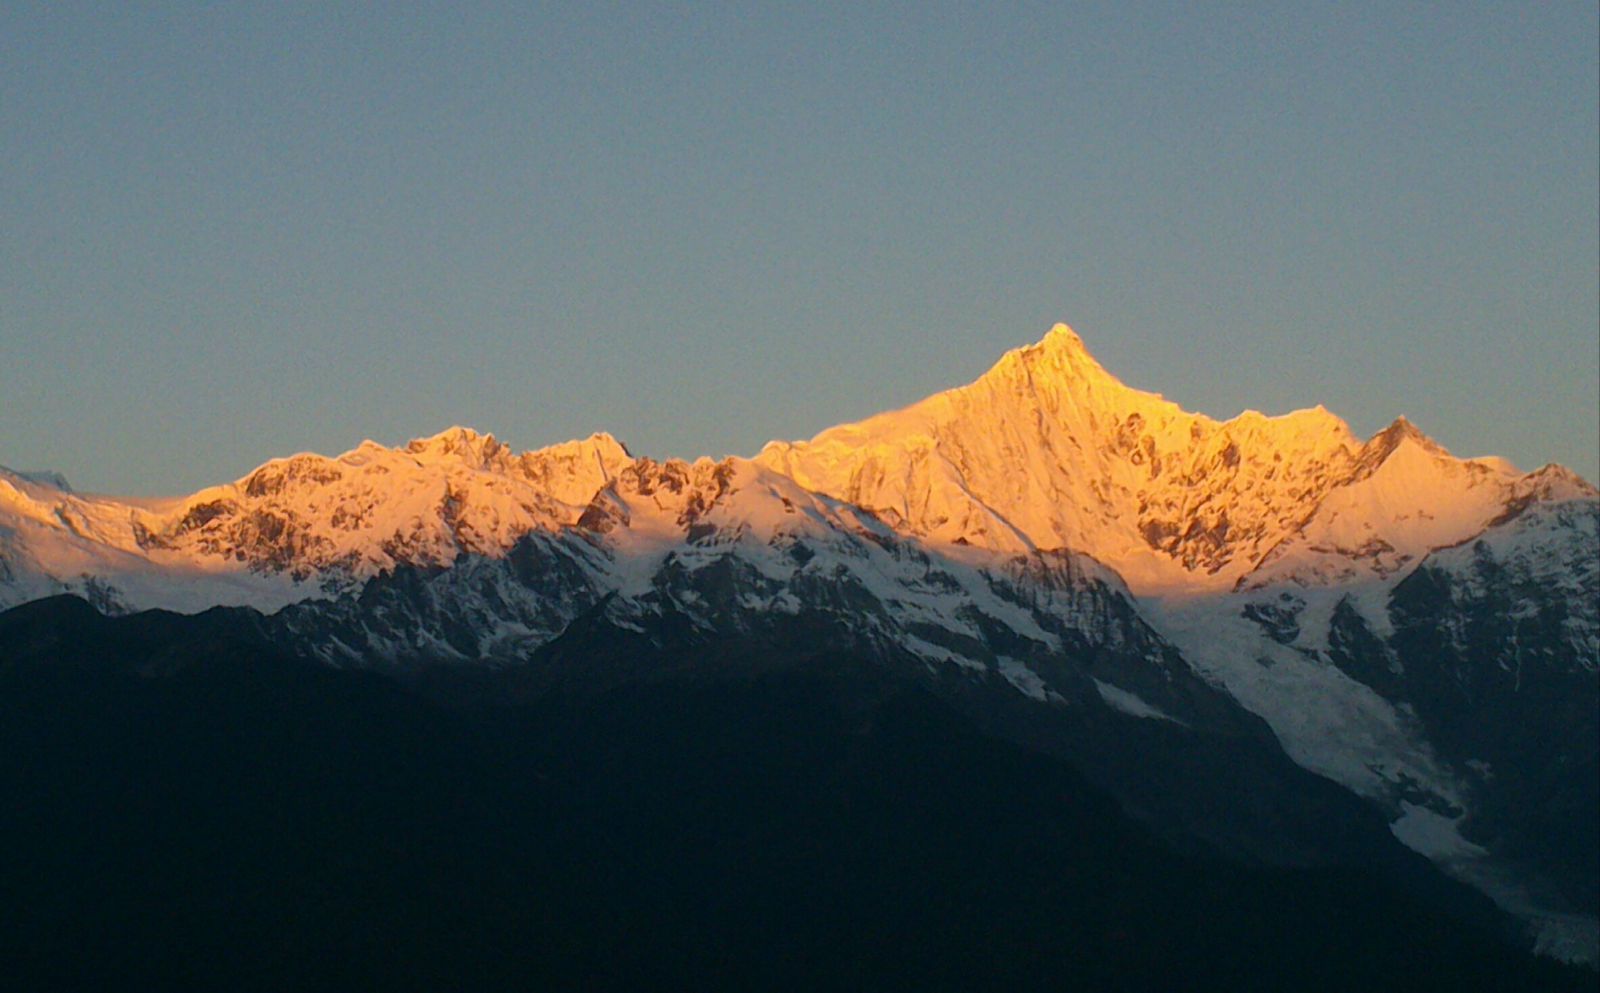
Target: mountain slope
1048, 450
1062, 555
1273, 553
196, 814
298, 527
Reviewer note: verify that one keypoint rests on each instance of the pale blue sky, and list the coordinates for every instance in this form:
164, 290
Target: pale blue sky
230, 232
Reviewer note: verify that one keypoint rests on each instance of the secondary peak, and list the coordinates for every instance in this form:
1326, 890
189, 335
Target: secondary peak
460, 442
1393, 438
1402, 430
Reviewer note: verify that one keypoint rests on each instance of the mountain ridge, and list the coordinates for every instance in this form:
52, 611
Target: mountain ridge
1045, 531
1045, 450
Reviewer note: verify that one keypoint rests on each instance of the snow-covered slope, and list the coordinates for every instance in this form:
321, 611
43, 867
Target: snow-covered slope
1407, 497
1270, 550
1495, 646
1045, 529
730, 548
1299, 638
1048, 450
1244, 538
1045, 451
297, 527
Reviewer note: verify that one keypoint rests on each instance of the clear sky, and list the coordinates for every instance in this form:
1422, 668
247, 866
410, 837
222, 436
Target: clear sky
235, 231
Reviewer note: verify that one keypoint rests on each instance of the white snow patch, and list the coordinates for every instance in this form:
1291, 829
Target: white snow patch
1567, 938
928, 650
1028, 682
1326, 721
1433, 834
1131, 703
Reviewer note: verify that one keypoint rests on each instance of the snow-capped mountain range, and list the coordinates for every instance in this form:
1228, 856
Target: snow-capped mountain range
1045, 529
1045, 451
298, 527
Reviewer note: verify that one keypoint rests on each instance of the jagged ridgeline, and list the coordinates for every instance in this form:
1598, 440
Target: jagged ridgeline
1262, 637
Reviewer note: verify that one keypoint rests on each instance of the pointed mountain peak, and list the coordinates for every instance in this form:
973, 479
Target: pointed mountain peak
1061, 336
600, 445
1063, 344
461, 443
606, 444
1383, 445
572, 471
449, 437
1554, 481
1403, 430
1059, 357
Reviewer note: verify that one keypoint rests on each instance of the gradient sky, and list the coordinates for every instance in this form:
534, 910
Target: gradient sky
231, 232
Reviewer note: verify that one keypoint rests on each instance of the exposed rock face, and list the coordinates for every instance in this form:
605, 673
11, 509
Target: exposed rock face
306, 525
1418, 628
1048, 450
